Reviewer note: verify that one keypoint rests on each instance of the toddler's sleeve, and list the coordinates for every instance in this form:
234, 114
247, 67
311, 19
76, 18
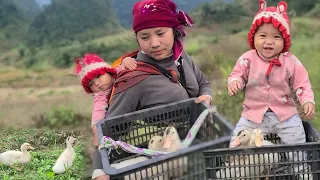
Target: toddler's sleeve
118, 68
301, 83
240, 71
100, 106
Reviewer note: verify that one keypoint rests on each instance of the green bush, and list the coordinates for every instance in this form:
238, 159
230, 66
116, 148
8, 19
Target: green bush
230, 107
192, 48
213, 39
29, 62
60, 116
21, 52
63, 61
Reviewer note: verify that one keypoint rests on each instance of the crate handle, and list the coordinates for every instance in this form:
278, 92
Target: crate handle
196, 126
107, 142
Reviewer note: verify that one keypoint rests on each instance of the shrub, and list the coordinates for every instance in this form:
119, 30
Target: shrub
63, 61
60, 116
29, 62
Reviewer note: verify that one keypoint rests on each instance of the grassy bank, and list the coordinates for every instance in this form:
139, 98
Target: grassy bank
48, 146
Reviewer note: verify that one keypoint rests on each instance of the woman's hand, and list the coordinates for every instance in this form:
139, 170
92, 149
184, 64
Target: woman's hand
233, 88
128, 63
95, 136
309, 110
204, 98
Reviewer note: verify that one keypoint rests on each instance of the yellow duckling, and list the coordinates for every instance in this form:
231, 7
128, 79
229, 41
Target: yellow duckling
12, 157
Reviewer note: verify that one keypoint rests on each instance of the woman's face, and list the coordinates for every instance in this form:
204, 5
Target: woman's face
156, 42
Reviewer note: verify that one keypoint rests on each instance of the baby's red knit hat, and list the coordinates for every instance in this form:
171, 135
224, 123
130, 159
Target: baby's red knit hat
89, 67
275, 15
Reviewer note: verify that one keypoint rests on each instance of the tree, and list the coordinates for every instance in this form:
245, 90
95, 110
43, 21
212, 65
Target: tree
220, 11
300, 7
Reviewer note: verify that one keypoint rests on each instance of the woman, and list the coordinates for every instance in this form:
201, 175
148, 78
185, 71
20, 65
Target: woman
158, 29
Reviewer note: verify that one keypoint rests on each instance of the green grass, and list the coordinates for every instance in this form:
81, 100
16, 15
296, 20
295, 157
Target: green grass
48, 146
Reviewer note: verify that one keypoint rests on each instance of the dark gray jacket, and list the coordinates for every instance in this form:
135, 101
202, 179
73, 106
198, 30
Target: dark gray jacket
158, 89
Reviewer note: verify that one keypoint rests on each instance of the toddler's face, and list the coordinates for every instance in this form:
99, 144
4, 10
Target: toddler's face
268, 41
101, 83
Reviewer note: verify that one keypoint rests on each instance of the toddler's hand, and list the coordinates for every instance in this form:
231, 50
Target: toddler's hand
95, 136
129, 63
309, 110
234, 87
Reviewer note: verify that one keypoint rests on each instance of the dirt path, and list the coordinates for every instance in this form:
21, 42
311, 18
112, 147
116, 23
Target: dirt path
15, 95
19, 107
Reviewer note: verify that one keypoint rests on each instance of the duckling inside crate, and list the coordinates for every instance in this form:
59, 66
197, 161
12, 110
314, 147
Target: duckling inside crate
281, 166
286, 169
168, 142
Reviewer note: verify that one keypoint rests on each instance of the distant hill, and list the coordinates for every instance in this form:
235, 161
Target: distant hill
123, 8
29, 8
64, 21
13, 12
15, 17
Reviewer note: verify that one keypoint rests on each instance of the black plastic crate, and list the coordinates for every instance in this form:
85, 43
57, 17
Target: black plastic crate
276, 162
138, 127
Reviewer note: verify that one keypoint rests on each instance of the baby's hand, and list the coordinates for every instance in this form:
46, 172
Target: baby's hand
128, 63
309, 110
234, 87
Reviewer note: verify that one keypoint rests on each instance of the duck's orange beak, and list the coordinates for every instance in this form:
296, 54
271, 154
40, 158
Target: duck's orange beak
30, 147
259, 140
236, 142
167, 143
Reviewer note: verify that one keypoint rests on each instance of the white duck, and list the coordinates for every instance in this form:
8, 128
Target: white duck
67, 157
246, 138
257, 139
243, 139
172, 140
16, 157
156, 143
173, 143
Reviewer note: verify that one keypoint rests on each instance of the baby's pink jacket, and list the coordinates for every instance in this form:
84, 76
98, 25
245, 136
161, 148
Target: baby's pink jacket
100, 106
100, 102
